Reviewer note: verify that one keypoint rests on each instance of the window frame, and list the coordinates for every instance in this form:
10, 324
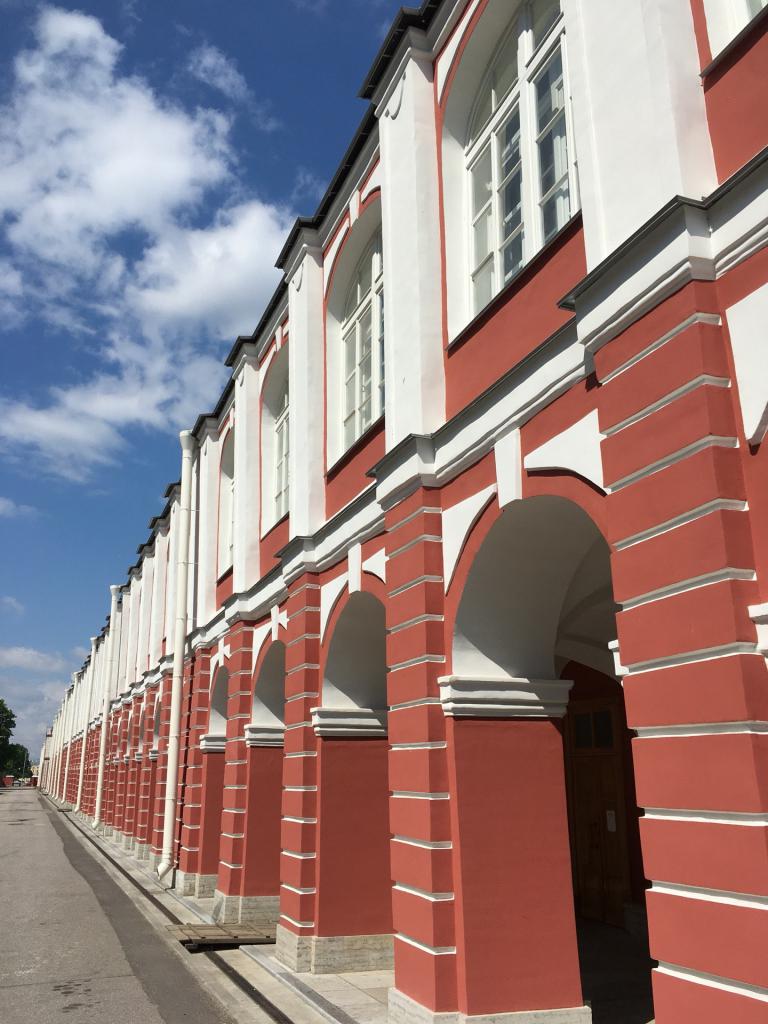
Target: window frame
727, 19
281, 458
225, 552
520, 98
351, 329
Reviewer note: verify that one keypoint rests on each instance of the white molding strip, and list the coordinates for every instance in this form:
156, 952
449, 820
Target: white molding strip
706, 895
703, 380
713, 319
702, 729
706, 579
716, 505
739, 988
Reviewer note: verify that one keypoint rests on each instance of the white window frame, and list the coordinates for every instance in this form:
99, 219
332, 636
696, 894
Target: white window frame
352, 383
532, 63
226, 511
727, 18
281, 473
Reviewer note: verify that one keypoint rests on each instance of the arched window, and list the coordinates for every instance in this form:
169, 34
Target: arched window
362, 334
282, 448
226, 503
517, 154
276, 441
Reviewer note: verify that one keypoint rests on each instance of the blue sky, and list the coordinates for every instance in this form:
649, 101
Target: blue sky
152, 158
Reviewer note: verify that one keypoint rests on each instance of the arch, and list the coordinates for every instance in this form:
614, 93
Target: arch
142, 725
355, 245
275, 440
156, 717
537, 594
226, 503
267, 726
217, 711
355, 673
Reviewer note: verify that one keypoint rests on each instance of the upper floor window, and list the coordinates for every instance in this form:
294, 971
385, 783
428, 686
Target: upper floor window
519, 164
282, 443
727, 18
227, 504
362, 333
276, 440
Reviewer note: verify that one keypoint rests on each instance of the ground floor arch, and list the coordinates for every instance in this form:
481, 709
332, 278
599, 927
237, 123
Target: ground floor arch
545, 818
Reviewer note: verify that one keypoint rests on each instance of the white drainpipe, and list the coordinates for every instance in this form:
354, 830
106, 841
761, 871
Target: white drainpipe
179, 647
68, 735
109, 671
87, 698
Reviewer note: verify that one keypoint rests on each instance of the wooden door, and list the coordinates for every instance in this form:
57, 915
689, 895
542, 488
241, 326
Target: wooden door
594, 743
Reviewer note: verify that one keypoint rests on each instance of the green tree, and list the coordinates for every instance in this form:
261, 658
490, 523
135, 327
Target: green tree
17, 761
7, 725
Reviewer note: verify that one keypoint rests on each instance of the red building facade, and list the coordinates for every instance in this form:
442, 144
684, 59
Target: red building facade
469, 574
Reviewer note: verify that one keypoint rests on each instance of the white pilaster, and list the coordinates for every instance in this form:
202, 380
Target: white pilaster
306, 374
247, 474
415, 378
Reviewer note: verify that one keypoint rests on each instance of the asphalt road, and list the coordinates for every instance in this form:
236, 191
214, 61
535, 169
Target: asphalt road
73, 946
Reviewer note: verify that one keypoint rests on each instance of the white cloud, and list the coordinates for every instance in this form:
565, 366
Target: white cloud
89, 157
11, 509
11, 604
30, 660
209, 65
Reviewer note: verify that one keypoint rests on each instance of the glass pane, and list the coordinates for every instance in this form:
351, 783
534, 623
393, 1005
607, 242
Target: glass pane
365, 371
555, 211
582, 731
366, 274
505, 71
366, 327
511, 206
349, 353
481, 182
351, 305
603, 727
545, 14
350, 396
549, 92
513, 257
482, 286
510, 145
553, 155
482, 237
365, 415
349, 431
482, 110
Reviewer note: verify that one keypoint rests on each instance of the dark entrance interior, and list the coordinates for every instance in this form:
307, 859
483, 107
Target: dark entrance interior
608, 882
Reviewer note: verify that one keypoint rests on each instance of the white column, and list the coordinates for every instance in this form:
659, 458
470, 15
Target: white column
159, 584
86, 686
208, 528
247, 474
415, 377
145, 615
109, 681
68, 731
170, 581
639, 117
305, 389
133, 627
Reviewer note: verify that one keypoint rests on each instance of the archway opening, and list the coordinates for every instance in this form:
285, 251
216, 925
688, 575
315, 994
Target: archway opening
212, 748
353, 798
260, 888
536, 624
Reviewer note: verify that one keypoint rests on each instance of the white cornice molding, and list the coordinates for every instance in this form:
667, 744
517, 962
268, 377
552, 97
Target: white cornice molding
153, 755
213, 744
503, 697
339, 723
264, 735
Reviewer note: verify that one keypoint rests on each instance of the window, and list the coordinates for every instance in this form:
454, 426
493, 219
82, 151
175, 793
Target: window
282, 447
521, 176
227, 504
362, 334
727, 18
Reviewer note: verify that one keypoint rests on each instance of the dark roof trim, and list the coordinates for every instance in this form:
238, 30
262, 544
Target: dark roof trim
361, 136
223, 399
274, 304
407, 17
